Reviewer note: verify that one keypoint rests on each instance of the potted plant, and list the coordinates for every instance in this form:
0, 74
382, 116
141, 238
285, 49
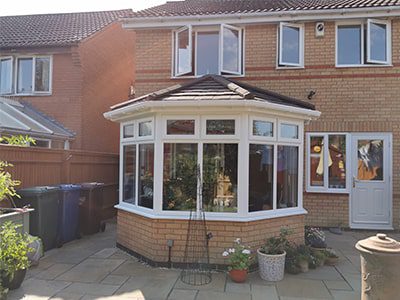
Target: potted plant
14, 248
331, 258
239, 261
271, 257
291, 260
315, 238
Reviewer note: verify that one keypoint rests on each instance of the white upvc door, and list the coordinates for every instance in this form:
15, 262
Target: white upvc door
371, 189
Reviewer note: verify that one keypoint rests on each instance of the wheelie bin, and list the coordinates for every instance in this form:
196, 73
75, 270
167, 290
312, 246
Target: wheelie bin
68, 229
90, 207
43, 221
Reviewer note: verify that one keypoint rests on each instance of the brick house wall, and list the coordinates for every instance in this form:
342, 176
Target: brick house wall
357, 99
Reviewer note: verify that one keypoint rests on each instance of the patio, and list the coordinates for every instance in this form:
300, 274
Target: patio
92, 268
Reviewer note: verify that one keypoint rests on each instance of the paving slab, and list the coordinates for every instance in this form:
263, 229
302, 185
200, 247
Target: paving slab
131, 268
213, 295
302, 288
320, 273
254, 278
95, 289
54, 271
337, 285
115, 279
353, 280
105, 253
217, 284
91, 270
67, 296
264, 292
177, 294
241, 288
38, 288
346, 295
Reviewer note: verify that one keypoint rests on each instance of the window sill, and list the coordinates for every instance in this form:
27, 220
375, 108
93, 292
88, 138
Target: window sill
364, 66
210, 216
27, 95
290, 68
327, 191
198, 76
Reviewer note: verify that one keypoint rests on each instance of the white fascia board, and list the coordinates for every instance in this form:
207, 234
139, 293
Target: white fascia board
124, 112
262, 17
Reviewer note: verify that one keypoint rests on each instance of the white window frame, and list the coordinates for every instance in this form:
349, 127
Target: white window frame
10, 90
146, 137
206, 136
281, 63
221, 49
176, 35
300, 131
325, 188
127, 139
180, 136
388, 41
364, 62
259, 137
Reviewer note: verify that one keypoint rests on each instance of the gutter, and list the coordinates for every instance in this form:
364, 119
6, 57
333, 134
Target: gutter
261, 17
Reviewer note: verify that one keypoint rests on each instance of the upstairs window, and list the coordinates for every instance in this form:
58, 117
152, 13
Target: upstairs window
25, 75
363, 43
291, 45
208, 50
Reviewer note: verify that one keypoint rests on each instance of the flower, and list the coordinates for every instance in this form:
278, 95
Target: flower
231, 250
246, 251
237, 241
225, 254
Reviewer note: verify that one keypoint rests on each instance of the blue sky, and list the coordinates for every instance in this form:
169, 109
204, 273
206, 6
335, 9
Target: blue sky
28, 7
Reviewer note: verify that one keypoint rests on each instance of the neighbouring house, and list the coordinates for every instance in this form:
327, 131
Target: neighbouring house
70, 67
262, 113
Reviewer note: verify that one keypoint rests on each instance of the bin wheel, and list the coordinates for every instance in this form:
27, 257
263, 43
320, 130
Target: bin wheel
103, 227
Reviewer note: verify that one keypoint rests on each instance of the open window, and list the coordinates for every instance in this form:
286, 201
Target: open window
378, 37
291, 41
231, 49
183, 51
6, 75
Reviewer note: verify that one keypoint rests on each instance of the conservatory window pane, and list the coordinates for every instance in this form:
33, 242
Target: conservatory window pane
317, 161
289, 131
349, 45
129, 174
42, 74
288, 179
224, 127
24, 75
145, 128
263, 128
337, 161
128, 131
207, 53
146, 175
180, 127
261, 177
220, 174
180, 176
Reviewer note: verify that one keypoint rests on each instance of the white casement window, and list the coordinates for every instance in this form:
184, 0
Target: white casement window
291, 45
327, 163
217, 50
6, 75
360, 43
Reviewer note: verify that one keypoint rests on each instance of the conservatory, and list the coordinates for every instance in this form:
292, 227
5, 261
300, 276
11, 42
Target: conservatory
214, 144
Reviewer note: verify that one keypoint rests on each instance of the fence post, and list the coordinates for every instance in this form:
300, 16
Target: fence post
66, 167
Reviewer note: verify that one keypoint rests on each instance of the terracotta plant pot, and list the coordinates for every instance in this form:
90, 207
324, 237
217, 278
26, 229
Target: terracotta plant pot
238, 276
16, 281
271, 267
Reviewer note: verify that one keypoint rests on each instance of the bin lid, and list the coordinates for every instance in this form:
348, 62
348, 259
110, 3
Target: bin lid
380, 243
37, 190
68, 187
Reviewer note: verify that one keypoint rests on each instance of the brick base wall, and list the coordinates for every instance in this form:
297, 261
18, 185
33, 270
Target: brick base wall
148, 237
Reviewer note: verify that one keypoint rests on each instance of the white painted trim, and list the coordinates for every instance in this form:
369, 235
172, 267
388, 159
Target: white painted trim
290, 122
387, 23
281, 63
137, 127
274, 122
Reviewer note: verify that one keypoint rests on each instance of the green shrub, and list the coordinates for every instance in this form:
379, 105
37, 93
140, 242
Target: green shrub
277, 244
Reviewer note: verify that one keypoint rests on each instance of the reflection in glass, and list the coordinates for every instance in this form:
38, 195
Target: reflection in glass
370, 160
128, 131
146, 175
5, 75
184, 54
337, 161
129, 175
145, 128
207, 53
261, 177
24, 75
178, 127
220, 127
42, 74
180, 176
220, 173
317, 161
349, 45
263, 128
290, 45
377, 41
231, 50
289, 131
287, 183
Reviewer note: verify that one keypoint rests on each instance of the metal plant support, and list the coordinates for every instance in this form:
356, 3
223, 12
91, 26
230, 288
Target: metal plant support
196, 260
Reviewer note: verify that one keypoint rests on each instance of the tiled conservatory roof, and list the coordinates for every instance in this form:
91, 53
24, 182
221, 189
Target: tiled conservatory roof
219, 7
215, 88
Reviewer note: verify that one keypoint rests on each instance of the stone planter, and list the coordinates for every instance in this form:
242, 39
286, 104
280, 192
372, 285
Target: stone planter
17, 218
16, 280
271, 267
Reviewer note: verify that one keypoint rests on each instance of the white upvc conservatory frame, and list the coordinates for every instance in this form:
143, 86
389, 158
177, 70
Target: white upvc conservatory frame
243, 137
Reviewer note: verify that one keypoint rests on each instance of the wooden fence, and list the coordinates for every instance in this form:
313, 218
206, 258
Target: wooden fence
39, 166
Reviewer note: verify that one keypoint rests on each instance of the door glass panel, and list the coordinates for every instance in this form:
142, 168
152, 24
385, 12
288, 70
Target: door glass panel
317, 161
146, 175
180, 176
337, 161
370, 160
129, 173
220, 173
261, 177
288, 176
